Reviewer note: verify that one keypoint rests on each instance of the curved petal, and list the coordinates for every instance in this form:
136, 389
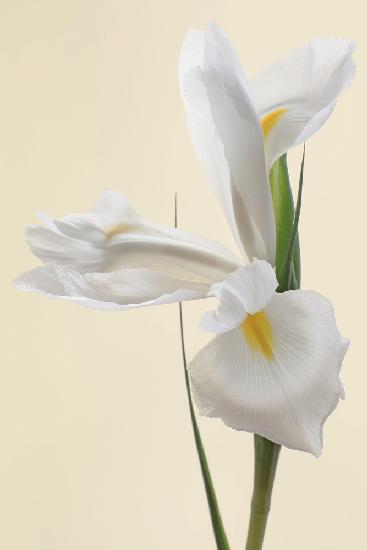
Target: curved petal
253, 285
169, 256
52, 247
287, 397
171, 251
119, 290
82, 227
114, 204
245, 291
227, 138
106, 240
229, 315
296, 95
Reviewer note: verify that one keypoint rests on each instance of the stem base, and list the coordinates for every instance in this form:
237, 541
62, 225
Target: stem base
266, 460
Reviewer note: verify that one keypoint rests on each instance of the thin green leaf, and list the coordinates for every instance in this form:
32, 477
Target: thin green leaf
285, 281
284, 214
217, 524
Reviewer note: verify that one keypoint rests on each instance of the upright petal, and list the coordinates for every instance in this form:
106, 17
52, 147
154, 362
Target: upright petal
284, 392
119, 290
227, 137
114, 236
295, 95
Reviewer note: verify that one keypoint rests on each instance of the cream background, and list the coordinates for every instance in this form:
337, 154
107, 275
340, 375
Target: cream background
97, 451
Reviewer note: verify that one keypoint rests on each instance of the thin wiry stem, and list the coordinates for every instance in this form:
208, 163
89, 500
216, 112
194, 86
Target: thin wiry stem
217, 524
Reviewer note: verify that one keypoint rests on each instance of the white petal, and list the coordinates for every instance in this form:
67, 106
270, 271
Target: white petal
173, 252
106, 241
119, 290
286, 398
253, 285
51, 246
227, 137
229, 315
47, 221
114, 204
82, 227
246, 290
307, 82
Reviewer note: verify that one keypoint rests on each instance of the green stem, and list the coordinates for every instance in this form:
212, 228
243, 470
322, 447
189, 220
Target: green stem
288, 268
217, 524
266, 460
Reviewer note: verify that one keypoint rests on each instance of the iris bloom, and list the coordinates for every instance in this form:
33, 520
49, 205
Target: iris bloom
273, 367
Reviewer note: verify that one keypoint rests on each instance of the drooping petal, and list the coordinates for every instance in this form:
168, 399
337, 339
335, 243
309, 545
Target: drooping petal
227, 137
119, 290
295, 95
284, 392
106, 240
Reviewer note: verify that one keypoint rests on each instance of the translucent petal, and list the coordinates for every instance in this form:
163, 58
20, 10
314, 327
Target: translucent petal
119, 290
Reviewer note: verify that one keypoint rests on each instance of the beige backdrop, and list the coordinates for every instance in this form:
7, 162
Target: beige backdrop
96, 445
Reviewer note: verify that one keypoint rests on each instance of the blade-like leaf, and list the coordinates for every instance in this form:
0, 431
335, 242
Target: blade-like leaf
285, 279
284, 213
217, 524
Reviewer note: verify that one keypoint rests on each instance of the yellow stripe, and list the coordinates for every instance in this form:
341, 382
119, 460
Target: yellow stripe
117, 229
269, 120
259, 333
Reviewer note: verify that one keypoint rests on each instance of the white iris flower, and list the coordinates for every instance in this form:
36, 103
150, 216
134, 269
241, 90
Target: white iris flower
112, 258
273, 367
238, 127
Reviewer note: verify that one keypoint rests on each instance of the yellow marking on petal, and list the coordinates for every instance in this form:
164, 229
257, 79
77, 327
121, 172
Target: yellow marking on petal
269, 121
117, 229
259, 333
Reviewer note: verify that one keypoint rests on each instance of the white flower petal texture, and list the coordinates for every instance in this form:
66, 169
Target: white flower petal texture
273, 366
117, 290
227, 137
276, 373
297, 93
113, 236
238, 127
246, 290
